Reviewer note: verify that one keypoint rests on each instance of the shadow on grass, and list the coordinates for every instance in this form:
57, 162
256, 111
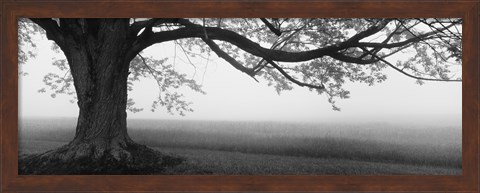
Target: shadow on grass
145, 162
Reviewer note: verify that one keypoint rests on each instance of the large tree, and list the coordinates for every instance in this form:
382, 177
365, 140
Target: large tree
104, 57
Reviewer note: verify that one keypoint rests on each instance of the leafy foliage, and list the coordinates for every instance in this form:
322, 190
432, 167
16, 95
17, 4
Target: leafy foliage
433, 58
26, 44
169, 82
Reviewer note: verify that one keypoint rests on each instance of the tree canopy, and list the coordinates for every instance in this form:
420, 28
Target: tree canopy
321, 54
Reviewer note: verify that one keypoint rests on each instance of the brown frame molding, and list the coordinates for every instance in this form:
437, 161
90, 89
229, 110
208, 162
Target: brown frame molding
11, 10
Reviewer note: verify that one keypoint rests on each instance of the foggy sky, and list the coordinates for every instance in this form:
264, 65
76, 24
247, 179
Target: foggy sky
232, 95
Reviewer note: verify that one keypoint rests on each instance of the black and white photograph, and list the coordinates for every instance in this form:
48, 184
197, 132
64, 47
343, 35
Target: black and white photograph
240, 96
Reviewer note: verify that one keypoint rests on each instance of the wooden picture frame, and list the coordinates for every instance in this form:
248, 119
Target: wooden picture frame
12, 182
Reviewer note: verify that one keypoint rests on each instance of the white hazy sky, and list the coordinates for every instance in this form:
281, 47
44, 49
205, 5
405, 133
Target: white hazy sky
232, 95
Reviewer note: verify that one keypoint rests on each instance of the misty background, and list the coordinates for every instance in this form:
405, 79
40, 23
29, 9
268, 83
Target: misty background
232, 95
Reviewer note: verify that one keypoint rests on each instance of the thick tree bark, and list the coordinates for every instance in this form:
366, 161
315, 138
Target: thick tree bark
100, 76
95, 50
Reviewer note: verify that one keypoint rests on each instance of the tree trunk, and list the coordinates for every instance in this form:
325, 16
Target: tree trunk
95, 51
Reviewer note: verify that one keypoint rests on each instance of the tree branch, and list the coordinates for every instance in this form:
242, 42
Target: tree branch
192, 30
271, 27
417, 38
214, 33
368, 32
52, 29
261, 64
286, 75
152, 71
215, 48
350, 59
136, 27
386, 40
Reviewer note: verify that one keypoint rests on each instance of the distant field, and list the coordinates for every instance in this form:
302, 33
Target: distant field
268, 148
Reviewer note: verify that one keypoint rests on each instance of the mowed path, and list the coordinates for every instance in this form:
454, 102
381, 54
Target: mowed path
206, 162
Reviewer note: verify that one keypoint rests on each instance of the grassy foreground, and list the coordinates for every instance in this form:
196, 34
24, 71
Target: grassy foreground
261, 148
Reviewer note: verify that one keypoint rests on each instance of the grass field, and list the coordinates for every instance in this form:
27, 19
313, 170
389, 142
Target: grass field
268, 148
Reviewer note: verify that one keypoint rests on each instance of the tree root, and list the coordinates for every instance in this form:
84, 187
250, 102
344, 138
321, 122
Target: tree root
95, 158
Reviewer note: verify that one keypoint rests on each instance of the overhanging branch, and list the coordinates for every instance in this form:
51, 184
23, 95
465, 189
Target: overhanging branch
286, 75
220, 53
408, 74
214, 33
208, 34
